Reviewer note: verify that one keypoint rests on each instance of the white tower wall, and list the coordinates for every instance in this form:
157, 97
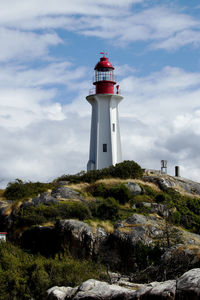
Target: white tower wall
105, 143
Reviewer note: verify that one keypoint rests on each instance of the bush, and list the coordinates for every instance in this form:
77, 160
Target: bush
25, 276
36, 215
124, 170
163, 198
105, 209
149, 191
140, 198
175, 218
19, 190
120, 192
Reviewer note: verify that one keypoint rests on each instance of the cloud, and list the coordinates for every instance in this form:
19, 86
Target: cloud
16, 44
160, 26
57, 73
160, 119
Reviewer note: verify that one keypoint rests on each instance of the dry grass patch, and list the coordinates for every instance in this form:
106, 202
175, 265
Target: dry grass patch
48, 224
115, 181
81, 187
2, 195
106, 225
11, 207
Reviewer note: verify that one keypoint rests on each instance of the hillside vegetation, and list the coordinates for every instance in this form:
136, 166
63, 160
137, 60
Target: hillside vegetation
101, 199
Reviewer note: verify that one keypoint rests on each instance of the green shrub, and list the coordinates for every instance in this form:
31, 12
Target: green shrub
100, 190
175, 218
19, 190
25, 276
35, 215
163, 198
194, 205
120, 192
124, 170
149, 191
140, 198
105, 209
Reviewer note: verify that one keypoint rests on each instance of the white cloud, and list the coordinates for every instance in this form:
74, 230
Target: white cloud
16, 44
30, 95
117, 21
160, 119
163, 27
41, 137
157, 123
63, 73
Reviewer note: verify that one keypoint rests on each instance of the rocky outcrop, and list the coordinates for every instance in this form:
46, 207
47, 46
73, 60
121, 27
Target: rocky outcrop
6, 213
157, 290
127, 249
63, 192
44, 198
59, 193
91, 289
178, 259
179, 183
187, 287
120, 248
158, 208
75, 236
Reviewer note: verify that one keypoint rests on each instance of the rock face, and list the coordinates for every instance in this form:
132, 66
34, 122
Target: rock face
157, 290
77, 236
63, 192
187, 287
167, 181
126, 249
5, 218
44, 198
122, 247
158, 208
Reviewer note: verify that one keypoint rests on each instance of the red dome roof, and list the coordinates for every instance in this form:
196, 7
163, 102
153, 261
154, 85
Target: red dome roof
103, 63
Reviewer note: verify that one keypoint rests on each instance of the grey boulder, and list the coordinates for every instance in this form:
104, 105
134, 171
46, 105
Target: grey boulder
134, 188
94, 290
44, 198
63, 192
188, 285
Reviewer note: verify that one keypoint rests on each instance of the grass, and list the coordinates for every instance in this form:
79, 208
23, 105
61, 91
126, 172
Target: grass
115, 181
106, 225
2, 195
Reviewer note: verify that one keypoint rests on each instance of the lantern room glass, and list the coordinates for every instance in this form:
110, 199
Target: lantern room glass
104, 74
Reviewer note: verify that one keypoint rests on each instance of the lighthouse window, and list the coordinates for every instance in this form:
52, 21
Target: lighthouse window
104, 147
113, 127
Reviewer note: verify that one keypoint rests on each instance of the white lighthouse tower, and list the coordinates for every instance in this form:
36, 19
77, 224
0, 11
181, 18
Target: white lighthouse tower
105, 144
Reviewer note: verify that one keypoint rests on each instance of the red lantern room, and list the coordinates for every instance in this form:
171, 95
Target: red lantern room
104, 76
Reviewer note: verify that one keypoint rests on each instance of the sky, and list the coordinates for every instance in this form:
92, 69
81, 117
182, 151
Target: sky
48, 50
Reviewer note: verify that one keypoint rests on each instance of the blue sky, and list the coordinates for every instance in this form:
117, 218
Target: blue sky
48, 51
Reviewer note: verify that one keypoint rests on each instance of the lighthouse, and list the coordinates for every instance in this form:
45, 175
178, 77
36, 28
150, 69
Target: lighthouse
105, 143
